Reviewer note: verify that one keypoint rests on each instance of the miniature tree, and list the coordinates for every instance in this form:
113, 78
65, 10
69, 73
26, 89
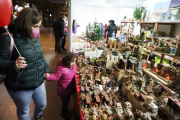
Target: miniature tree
138, 12
124, 17
95, 33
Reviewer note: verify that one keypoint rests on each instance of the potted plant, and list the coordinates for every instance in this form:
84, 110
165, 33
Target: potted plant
138, 12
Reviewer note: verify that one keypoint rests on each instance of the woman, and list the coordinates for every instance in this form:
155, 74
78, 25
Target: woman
110, 29
74, 27
26, 69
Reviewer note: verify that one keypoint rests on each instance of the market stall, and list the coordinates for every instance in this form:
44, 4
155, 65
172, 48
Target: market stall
121, 83
134, 75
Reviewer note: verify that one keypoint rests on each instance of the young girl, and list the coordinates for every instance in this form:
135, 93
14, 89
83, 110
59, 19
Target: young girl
66, 83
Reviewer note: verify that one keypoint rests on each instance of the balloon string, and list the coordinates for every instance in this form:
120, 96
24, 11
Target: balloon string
12, 38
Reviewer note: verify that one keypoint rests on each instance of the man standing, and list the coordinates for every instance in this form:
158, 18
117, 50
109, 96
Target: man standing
65, 33
58, 28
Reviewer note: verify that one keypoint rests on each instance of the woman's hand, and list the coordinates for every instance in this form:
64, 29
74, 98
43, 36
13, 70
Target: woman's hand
20, 63
47, 75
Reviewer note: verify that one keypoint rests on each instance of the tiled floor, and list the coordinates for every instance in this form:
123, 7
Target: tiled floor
52, 110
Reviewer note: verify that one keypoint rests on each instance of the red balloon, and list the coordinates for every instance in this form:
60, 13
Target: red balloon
6, 12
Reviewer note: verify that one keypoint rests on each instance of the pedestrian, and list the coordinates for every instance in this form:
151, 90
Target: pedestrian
65, 33
27, 67
58, 28
110, 29
66, 82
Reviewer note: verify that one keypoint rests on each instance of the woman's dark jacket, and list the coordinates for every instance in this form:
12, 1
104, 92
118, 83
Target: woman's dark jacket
111, 28
58, 27
30, 77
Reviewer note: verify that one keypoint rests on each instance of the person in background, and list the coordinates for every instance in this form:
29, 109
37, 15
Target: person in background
58, 28
27, 67
110, 29
109, 22
66, 82
74, 27
65, 32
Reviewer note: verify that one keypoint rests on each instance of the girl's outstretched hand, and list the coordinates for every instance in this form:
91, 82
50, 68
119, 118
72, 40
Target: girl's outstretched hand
47, 75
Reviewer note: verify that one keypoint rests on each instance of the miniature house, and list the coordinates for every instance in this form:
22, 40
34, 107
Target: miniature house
104, 97
89, 83
97, 98
88, 100
145, 57
152, 107
160, 69
149, 89
163, 114
82, 89
168, 47
138, 66
149, 99
122, 64
175, 106
130, 64
152, 63
87, 89
97, 81
178, 51
107, 99
83, 96
120, 69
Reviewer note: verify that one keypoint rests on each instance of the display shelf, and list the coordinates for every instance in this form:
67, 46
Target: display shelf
127, 22
160, 37
160, 22
168, 22
147, 22
156, 24
124, 32
168, 54
151, 37
166, 38
77, 92
158, 53
157, 78
147, 71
